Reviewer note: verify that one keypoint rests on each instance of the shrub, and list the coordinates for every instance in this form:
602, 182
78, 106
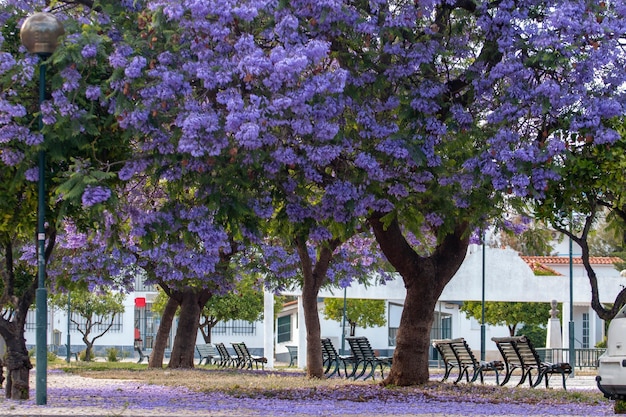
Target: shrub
112, 354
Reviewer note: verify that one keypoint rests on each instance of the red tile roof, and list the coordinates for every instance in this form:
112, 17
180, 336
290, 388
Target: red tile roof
564, 260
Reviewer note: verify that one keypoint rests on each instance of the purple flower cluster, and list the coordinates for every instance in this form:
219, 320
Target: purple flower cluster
95, 194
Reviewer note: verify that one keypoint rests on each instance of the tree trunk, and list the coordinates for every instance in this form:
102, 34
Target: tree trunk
424, 279
88, 349
314, 359
18, 366
163, 333
314, 277
183, 350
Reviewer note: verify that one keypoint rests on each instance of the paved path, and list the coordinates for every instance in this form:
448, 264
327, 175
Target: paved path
72, 395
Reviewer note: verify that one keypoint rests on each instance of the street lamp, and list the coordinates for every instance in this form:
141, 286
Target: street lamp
39, 34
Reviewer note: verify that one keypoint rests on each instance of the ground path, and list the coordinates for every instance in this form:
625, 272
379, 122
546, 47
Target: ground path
72, 395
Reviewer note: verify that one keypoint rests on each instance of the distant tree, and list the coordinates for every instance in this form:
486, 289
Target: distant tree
93, 312
510, 314
536, 333
359, 312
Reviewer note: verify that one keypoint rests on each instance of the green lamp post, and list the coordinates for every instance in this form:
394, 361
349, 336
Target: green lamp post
39, 34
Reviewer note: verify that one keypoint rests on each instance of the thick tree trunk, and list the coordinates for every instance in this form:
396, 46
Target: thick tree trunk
183, 350
163, 333
18, 366
424, 279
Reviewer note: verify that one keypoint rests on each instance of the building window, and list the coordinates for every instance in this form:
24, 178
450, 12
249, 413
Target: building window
31, 322
284, 329
99, 323
585, 330
234, 327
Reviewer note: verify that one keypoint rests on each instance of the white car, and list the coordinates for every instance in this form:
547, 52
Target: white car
611, 377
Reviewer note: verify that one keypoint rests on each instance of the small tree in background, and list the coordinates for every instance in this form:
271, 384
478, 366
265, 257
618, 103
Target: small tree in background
93, 312
359, 312
507, 313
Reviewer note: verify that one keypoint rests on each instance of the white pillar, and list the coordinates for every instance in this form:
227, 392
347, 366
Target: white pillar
565, 326
593, 327
268, 328
301, 336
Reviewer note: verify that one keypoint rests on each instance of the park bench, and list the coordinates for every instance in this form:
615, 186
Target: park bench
456, 353
208, 353
519, 353
226, 359
331, 360
247, 360
293, 355
365, 357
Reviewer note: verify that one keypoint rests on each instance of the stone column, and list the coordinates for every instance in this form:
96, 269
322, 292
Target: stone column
554, 338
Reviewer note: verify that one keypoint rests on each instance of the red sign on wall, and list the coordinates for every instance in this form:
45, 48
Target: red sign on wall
140, 302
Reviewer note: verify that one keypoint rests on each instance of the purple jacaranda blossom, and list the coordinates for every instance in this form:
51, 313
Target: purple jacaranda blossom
32, 174
93, 92
118, 58
8, 111
89, 51
7, 61
134, 68
71, 78
48, 115
11, 157
95, 194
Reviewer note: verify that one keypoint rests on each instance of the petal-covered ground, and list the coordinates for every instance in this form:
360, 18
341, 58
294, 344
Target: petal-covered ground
75, 395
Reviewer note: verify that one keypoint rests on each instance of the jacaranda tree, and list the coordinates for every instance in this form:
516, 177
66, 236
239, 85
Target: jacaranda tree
427, 118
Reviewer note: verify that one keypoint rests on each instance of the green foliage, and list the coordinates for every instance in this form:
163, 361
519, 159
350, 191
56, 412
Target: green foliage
511, 314
359, 312
536, 333
112, 354
90, 304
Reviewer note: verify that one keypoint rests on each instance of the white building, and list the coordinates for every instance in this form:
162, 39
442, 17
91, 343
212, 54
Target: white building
505, 277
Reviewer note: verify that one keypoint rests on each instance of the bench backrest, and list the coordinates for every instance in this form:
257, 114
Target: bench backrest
207, 350
328, 349
361, 347
518, 351
223, 352
240, 351
455, 351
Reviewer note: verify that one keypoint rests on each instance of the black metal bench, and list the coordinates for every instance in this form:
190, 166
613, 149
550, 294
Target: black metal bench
365, 357
208, 353
246, 359
332, 361
226, 359
456, 353
293, 355
519, 353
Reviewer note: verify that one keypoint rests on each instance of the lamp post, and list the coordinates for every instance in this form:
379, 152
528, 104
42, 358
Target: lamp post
571, 347
482, 308
39, 34
343, 323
